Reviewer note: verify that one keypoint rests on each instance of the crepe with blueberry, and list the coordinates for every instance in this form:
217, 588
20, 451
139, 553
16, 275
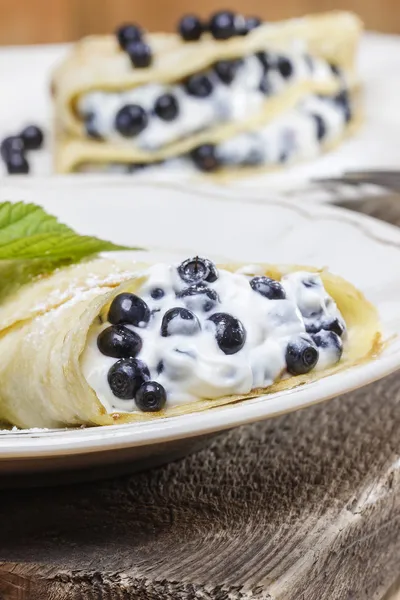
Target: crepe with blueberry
217, 98
113, 341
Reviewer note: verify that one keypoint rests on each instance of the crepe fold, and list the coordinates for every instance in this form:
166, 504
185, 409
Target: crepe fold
45, 328
97, 64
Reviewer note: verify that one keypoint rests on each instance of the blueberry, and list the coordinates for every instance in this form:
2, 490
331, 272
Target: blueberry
130, 309
131, 120
265, 60
157, 294
250, 23
284, 66
320, 126
265, 86
335, 70
10, 145
222, 25
270, 288
32, 137
128, 33
199, 297
151, 397
328, 339
190, 28
199, 85
334, 325
160, 367
226, 70
167, 107
126, 376
301, 356
119, 342
230, 333
17, 164
205, 158
91, 128
140, 54
343, 101
195, 270
180, 321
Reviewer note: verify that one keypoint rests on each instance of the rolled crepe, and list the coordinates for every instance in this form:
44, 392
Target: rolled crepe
45, 328
97, 64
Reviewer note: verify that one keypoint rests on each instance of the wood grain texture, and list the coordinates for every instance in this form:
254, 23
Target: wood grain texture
303, 507
43, 21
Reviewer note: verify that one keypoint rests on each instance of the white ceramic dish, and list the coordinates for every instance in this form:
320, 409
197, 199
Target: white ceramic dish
26, 70
181, 220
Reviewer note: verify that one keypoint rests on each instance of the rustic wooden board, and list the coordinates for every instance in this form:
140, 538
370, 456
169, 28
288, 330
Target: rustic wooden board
303, 507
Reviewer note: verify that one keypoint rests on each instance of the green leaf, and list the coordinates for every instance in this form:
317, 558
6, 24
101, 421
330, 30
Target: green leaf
32, 242
27, 232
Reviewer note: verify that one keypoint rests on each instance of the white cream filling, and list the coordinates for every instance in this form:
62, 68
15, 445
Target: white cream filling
194, 367
227, 102
289, 138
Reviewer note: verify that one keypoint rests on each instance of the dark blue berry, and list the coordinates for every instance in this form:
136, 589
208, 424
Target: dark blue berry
131, 120
128, 33
205, 158
32, 137
10, 145
250, 23
128, 309
265, 60
199, 85
140, 54
284, 66
335, 70
190, 28
222, 25
151, 397
270, 288
328, 339
196, 270
91, 128
126, 376
343, 101
167, 107
230, 333
334, 325
301, 356
17, 164
199, 297
320, 126
226, 70
160, 367
119, 342
265, 86
179, 321
157, 294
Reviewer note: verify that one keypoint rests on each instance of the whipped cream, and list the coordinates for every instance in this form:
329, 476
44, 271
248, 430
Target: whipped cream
193, 367
227, 102
289, 138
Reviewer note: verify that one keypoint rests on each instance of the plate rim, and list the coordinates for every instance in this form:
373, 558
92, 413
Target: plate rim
64, 442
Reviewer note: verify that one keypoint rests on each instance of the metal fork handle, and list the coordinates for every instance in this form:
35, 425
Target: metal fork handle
386, 179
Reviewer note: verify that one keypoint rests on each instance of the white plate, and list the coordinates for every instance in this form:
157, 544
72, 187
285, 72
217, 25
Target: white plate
26, 70
186, 221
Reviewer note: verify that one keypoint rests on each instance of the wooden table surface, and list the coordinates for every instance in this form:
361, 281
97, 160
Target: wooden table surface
303, 507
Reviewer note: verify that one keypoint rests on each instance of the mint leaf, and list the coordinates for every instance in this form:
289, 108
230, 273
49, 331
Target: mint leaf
33, 243
27, 232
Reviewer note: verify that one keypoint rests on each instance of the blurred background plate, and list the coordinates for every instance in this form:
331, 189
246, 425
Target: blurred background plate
183, 220
24, 82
